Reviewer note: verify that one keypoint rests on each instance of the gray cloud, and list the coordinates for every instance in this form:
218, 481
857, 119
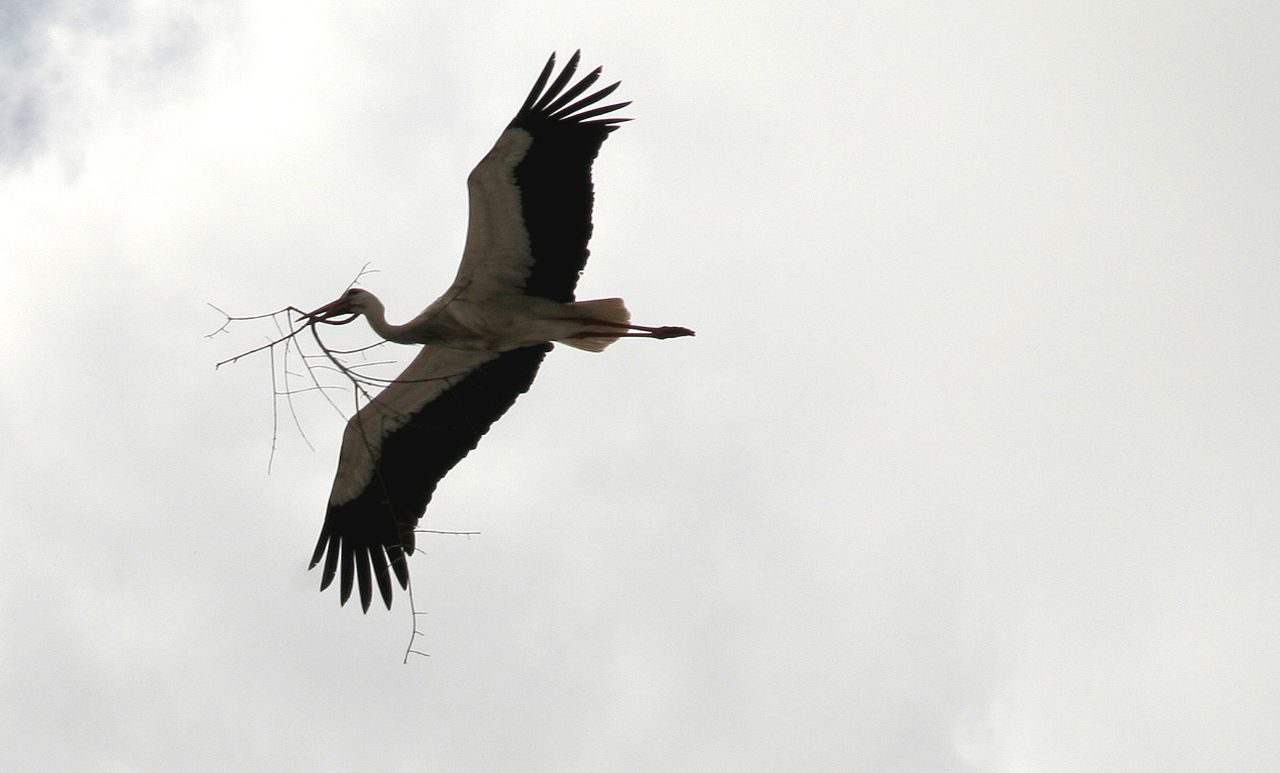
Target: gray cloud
67, 67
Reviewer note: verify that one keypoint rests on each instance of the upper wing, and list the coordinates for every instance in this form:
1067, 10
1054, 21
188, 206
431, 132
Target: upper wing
530, 197
398, 447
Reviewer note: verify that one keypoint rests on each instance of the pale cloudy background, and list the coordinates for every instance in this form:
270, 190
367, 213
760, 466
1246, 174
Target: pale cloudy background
973, 465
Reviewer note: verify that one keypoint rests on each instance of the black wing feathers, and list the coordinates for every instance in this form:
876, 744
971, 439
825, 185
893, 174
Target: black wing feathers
365, 535
578, 88
554, 177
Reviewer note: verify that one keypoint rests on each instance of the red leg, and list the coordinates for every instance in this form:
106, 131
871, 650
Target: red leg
657, 332
646, 332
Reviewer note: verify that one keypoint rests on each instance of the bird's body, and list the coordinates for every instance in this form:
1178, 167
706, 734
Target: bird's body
500, 323
484, 338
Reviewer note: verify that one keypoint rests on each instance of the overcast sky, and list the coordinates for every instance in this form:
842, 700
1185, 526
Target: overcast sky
973, 465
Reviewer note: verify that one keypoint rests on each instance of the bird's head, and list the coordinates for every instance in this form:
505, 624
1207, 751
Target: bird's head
354, 302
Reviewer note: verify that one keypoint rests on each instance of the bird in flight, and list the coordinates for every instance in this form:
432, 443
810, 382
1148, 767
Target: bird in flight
529, 223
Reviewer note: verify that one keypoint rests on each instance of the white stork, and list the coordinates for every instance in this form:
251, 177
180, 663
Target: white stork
530, 220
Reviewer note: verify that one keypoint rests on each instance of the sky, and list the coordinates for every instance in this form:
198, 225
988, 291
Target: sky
974, 464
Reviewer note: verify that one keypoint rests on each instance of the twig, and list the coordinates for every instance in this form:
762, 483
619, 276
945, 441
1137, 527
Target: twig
414, 632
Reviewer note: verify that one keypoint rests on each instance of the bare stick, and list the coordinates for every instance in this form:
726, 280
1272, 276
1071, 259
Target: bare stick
275, 413
288, 397
413, 628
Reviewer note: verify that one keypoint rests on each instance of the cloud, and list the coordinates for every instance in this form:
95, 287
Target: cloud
69, 69
971, 465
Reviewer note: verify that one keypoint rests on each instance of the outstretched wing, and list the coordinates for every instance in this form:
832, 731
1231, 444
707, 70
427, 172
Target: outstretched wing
530, 197
398, 447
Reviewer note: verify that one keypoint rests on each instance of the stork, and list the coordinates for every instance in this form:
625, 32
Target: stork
529, 223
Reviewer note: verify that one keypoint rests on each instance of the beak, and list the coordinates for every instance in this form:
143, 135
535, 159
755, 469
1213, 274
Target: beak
330, 310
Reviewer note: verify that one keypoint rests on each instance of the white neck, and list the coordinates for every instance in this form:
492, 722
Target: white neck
377, 318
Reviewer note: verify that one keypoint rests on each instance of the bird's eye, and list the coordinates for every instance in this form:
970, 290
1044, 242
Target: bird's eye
353, 292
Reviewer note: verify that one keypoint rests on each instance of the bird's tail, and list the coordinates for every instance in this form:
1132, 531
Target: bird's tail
604, 310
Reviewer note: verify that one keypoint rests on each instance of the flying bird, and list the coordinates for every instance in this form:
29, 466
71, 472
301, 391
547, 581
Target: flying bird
529, 223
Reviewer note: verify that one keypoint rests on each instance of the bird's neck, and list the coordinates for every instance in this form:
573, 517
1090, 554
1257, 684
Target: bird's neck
377, 317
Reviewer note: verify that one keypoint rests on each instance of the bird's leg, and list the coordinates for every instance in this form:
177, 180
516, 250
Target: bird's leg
666, 331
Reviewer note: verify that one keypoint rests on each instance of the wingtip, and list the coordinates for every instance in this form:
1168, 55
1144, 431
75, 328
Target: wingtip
400, 565
316, 555
360, 570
